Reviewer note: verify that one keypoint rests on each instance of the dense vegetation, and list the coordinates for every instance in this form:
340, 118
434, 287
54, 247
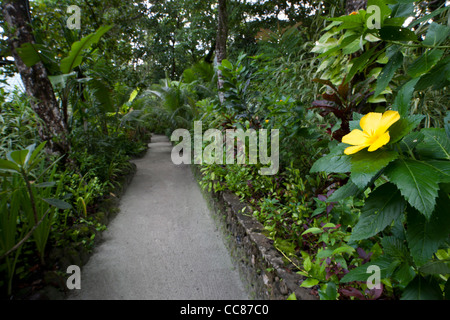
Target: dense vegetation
360, 99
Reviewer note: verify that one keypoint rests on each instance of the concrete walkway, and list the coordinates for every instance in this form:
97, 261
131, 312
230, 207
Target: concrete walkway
164, 243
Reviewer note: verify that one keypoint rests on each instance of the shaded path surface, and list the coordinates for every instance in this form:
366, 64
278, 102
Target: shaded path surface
164, 243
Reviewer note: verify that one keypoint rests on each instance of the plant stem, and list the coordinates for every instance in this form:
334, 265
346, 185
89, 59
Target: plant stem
30, 192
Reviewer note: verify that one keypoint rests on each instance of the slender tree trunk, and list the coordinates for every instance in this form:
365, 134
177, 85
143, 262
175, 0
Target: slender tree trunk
37, 85
221, 40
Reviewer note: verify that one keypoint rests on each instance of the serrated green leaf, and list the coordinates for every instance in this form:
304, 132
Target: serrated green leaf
436, 267
360, 273
424, 63
436, 33
365, 165
441, 166
403, 98
384, 205
417, 182
422, 289
404, 126
435, 144
388, 72
425, 236
347, 190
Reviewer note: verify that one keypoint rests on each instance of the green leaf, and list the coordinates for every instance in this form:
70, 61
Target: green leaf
422, 289
441, 166
30, 53
394, 33
58, 203
18, 156
336, 161
436, 267
310, 282
404, 126
75, 56
365, 165
424, 63
384, 205
437, 78
8, 165
227, 64
425, 236
292, 296
436, 34
403, 99
312, 230
360, 273
343, 249
417, 182
388, 71
45, 184
435, 144
347, 190
360, 63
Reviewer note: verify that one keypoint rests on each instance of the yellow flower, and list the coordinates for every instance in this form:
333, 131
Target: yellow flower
374, 134
353, 13
267, 121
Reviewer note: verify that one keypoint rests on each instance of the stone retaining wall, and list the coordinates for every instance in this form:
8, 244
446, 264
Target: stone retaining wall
262, 267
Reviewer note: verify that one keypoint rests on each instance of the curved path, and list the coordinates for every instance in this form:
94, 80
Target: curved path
164, 243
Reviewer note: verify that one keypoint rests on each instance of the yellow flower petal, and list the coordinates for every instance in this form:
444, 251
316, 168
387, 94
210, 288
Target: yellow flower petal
370, 122
381, 141
387, 120
355, 138
354, 149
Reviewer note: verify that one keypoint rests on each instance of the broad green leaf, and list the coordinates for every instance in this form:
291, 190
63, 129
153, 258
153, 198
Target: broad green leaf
75, 56
60, 204
30, 53
417, 182
8, 165
227, 64
422, 289
292, 296
384, 205
347, 190
436, 267
425, 236
394, 33
403, 99
310, 282
388, 71
18, 156
361, 62
404, 126
360, 273
424, 63
436, 34
334, 160
437, 78
365, 165
442, 167
435, 144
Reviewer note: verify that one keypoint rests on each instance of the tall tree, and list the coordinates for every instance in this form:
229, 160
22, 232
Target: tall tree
221, 39
35, 78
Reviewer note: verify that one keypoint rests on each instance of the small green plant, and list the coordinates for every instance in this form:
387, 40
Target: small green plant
27, 208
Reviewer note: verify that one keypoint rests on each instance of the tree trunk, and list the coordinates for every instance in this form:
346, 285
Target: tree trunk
354, 5
221, 40
37, 85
